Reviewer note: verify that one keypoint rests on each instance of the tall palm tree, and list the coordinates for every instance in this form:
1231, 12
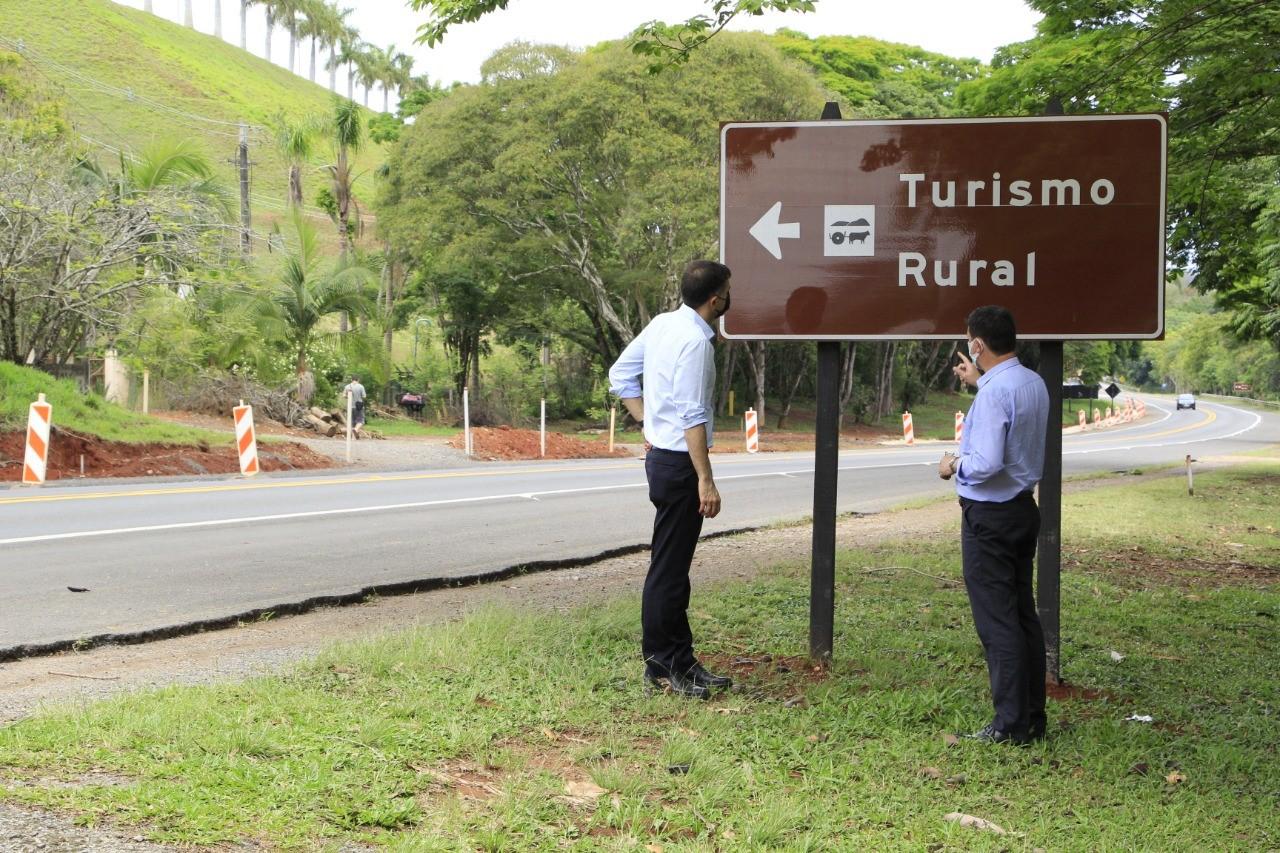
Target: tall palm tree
292, 309
292, 13
244, 24
217, 19
370, 67
348, 52
332, 33
188, 18
296, 143
315, 22
270, 8
149, 6
402, 77
346, 133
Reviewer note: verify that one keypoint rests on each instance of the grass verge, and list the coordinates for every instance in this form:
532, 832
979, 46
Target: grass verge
514, 731
88, 414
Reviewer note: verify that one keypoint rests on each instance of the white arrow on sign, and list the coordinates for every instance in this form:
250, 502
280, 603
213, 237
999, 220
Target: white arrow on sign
768, 231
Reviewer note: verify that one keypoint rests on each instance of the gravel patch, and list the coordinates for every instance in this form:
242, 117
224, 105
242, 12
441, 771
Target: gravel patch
391, 454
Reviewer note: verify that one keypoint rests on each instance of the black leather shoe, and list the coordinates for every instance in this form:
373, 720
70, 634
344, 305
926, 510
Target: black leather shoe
680, 685
990, 734
1037, 731
710, 680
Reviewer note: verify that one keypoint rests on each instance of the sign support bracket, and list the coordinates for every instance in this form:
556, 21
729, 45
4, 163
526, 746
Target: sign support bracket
1049, 547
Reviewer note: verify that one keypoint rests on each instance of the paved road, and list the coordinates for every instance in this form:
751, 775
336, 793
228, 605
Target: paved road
160, 555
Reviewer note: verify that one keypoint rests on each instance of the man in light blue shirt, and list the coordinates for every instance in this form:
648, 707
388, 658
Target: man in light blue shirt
665, 378
1000, 462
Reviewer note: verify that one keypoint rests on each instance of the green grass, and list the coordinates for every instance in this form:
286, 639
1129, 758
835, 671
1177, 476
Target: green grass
88, 414
376, 741
179, 68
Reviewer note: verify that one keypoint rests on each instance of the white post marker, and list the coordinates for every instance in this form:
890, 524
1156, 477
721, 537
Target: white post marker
466, 422
752, 428
35, 459
246, 439
908, 430
542, 430
146, 392
959, 426
1191, 484
349, 407
613, 424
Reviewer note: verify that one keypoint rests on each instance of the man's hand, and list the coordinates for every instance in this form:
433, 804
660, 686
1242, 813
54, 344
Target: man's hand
708, 498
944, 466
966, 371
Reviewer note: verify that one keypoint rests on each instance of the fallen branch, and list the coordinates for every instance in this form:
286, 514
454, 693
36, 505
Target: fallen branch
868, 571
79, 675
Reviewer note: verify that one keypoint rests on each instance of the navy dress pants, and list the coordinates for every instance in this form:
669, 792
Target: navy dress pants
664, 610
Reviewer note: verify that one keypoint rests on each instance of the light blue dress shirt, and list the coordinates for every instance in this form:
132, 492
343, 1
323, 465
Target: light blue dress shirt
1002, 447
675, 357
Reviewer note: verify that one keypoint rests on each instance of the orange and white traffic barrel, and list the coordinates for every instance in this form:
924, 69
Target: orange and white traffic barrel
246, 439
1084, 421
908, 431
36, 458
752, 431
1097, 416
959, 426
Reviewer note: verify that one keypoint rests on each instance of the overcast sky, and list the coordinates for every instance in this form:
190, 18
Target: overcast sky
971, 28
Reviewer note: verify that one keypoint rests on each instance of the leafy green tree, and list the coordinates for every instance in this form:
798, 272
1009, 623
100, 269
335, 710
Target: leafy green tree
1212, 67
878, 79
292, 309
600, 179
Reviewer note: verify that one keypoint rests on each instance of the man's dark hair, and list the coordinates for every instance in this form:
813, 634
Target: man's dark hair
701, 281
995, 326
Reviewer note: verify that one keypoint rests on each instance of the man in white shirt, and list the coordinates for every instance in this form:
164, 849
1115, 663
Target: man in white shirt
357, 393
676, 360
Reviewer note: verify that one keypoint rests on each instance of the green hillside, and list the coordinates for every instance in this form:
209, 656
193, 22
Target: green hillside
129, 78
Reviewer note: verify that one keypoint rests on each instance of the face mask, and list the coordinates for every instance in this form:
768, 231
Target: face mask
973, 356
724, 309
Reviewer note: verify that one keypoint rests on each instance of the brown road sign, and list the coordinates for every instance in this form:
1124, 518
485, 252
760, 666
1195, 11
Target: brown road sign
898, 229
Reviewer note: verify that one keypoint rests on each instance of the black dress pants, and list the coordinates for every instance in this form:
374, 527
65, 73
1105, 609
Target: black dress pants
998, 547
664, 610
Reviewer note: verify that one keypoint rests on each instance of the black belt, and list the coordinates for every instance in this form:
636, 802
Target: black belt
664, 452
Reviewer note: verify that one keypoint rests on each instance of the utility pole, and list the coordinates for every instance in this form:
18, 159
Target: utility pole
246, 220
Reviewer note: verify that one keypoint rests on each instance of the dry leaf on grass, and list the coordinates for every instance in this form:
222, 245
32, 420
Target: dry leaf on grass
1175, 778
653, 848
950, 739
975, 822
930, 772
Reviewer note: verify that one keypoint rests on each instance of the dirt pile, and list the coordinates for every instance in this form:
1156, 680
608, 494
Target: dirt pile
117, 459
504, 442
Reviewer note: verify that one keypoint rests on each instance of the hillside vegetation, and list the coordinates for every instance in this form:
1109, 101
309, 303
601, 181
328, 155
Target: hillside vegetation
129, 78
87, 414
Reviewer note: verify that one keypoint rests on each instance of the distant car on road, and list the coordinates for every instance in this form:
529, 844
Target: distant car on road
1186, 401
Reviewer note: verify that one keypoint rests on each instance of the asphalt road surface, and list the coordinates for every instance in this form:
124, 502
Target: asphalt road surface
155, 556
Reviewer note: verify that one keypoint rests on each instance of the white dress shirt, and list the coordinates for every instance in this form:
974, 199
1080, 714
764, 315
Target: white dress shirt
675, 357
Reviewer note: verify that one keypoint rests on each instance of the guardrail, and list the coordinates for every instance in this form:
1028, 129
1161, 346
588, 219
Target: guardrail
1223, 398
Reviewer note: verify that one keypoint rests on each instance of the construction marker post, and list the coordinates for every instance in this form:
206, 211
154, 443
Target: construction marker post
466, 421
613, 425
752, 429
959, 426
1084, 421
246, 439
349, 430
542, 430
730, 402
1191, 483
908, 430
35, 459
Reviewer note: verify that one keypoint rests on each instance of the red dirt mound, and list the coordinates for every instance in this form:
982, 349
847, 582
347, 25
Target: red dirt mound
117, 459
506, 442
